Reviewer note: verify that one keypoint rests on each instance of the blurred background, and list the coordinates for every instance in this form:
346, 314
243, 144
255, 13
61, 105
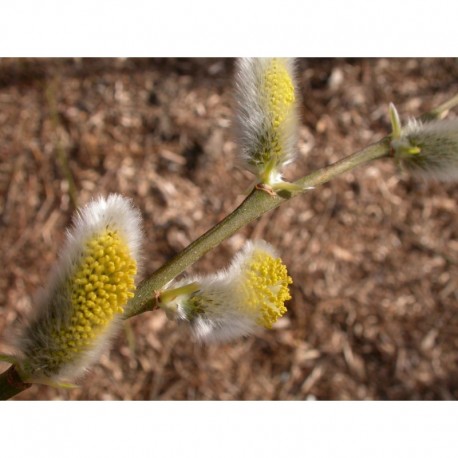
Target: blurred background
373, 254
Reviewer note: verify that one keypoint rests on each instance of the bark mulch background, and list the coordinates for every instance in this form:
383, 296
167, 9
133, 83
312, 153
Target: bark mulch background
373, 254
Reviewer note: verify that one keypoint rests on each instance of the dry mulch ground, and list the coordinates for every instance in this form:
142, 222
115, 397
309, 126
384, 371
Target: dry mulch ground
373, 254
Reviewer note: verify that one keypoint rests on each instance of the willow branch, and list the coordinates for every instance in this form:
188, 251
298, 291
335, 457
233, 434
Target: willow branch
441, 110
254, 206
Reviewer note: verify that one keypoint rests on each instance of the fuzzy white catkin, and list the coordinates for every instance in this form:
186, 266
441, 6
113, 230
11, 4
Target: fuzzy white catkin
265, 115
429, 149
81, 306
235, 302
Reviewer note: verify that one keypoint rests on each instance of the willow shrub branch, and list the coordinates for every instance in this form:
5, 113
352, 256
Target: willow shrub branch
254, 206
442, 109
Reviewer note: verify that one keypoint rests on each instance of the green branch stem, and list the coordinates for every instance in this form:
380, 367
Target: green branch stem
441, 110
255, 205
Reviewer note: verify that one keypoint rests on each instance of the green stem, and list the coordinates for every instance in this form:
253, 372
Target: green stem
255, 205
11, 384
442, 109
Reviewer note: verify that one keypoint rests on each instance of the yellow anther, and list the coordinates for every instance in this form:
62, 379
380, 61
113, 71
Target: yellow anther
266, 287
99, 290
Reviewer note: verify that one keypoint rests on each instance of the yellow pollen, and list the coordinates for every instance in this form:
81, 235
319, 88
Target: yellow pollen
265, 287
102, 283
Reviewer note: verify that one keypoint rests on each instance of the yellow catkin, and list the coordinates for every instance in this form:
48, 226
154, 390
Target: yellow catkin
102, 284
277, 92
265, 287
